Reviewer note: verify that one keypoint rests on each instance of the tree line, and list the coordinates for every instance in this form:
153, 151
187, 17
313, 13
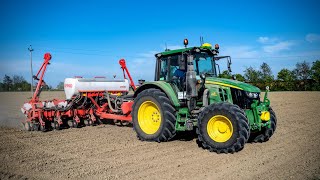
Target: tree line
304, 77
17, 83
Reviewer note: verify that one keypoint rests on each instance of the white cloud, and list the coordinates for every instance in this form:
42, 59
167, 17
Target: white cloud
263, 39
267, 40
142, 67
274, 45
280, 46
240, 51
312, 37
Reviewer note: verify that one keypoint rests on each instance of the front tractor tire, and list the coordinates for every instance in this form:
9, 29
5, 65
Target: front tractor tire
222, 128
153, 116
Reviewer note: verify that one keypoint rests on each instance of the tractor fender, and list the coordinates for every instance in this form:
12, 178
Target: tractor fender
164, 87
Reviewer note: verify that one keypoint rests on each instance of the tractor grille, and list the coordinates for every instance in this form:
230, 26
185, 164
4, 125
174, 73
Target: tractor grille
223, 94
240, 98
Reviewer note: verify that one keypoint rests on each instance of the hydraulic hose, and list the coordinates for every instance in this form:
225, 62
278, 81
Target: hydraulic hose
109, 103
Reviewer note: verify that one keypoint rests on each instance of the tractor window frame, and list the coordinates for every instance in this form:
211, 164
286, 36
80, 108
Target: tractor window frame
167, 59
165, 72
161, 70
197, 59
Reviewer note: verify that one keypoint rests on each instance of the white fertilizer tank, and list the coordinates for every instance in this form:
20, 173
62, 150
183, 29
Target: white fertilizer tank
73, 86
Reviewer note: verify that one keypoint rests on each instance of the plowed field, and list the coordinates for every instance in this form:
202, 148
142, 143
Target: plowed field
114, 152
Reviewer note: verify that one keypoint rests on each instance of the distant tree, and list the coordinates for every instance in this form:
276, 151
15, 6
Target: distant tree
25, 86
303, 73
252, 75
18, 79
60, 86
7, 83
225, 74
1, 86
315, 74
286, 80
20, 84
285, 75
266, 76
239, 77
266, 73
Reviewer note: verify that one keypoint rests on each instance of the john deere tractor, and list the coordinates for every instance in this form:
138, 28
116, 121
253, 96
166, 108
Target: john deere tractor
188, 95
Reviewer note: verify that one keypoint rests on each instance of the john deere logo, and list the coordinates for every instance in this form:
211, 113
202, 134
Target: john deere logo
214, 94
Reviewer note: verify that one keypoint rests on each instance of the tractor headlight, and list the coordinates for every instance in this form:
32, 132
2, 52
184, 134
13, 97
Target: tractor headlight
253, 95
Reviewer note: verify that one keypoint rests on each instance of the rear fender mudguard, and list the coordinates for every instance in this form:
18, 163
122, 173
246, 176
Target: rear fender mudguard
164, 87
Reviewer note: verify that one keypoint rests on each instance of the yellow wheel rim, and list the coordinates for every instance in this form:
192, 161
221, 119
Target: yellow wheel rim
149, 117
219, 128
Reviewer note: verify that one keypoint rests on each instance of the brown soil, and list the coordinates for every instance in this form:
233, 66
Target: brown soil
113, 152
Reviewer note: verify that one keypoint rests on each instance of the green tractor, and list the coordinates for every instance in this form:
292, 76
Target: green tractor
188, 95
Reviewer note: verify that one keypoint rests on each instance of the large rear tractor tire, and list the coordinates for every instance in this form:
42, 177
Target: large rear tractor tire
222, 128
265, 134
153, 116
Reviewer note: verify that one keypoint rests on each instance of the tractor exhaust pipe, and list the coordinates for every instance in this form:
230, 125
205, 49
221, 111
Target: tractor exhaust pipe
191, 83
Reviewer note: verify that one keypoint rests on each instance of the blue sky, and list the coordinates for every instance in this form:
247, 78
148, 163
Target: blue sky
87, 38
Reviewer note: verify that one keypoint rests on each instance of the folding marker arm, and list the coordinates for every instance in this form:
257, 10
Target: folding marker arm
42, 70
125, 70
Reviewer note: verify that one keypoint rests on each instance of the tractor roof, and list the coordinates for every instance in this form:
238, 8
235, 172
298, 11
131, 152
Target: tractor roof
189, 49
171, 52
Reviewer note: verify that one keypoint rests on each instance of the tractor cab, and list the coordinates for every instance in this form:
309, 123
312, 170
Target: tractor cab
173, 64
170, 61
